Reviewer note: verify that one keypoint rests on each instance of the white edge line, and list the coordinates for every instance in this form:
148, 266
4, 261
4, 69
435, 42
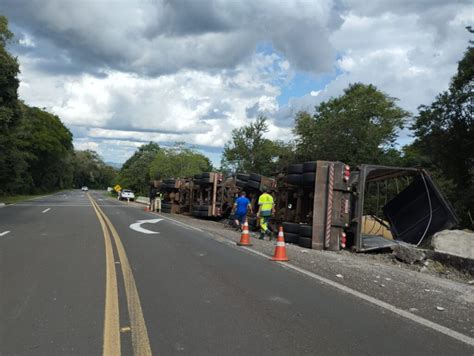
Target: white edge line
403, 313
182, 224
46, 210
4, 233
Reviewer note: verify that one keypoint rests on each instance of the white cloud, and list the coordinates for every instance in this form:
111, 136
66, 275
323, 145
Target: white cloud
189, 71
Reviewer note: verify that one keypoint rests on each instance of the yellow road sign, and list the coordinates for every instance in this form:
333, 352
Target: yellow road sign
117, 188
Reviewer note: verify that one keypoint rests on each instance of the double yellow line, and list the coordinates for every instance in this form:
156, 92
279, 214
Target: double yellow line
140, 341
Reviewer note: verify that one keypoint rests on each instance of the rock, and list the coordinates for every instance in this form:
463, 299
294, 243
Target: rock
413, 309
455, 242
408, 254
339, 276
440, 308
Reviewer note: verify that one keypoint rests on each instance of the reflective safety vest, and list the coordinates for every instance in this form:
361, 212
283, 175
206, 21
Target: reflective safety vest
266, 202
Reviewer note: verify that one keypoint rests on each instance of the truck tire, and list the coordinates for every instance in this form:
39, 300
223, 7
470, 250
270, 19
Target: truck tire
205, 180
242, 176
166, 205
291, 238
240, 183
295, 169
309, 178
295, 179
166, 210
252, 221
309, 166
290, 227
253, 184
204, 207
306, 231
305, 242
255, 177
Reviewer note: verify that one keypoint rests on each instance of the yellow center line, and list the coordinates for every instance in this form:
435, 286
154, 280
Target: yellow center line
111, 344
140, 342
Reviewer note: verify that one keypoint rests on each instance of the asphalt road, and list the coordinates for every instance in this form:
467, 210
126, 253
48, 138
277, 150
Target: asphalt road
75, 279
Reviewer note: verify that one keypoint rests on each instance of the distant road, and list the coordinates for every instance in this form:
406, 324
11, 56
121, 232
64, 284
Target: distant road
75, 279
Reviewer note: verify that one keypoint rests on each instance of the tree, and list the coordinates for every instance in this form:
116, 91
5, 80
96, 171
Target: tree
358, 127
135, 172
250, 151
178, 162
48, 149
444, 134
91, 171
13, 168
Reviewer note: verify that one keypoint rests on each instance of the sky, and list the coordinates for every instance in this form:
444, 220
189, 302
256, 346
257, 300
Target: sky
121, 73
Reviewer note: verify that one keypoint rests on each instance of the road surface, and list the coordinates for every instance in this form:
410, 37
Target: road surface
76, 279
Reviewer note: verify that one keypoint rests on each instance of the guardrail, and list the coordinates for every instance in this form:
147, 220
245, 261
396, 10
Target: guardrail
142, 200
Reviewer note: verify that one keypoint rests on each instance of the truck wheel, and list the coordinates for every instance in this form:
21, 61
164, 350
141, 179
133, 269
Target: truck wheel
306, 231
309, 166
253, 184
295, 169
309, 178
240, 183
305, 242
291, 238
242, 176
255, 177
290, 227
295, 179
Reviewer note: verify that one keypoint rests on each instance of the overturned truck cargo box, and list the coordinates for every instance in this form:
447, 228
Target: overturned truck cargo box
404, 200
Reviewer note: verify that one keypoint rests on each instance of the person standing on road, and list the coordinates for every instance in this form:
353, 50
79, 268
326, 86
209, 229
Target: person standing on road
241, 206
266, 207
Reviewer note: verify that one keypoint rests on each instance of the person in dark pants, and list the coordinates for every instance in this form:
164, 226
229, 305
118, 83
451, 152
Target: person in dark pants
241, 207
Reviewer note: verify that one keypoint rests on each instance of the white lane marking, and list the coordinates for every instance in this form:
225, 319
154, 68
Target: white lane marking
136, 226
4, 233
403, 313
181, 224
46, 210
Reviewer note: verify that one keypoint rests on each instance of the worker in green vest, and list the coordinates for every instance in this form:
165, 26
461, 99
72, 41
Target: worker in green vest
266, 207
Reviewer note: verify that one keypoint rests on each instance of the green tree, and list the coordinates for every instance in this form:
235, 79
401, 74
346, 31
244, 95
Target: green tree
135, 172
13, 168
47, 145
179, 162
91, 171
250, 151
358, 127
444, 134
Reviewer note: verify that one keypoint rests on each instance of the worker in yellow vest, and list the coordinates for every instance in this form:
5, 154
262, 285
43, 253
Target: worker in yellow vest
266, 207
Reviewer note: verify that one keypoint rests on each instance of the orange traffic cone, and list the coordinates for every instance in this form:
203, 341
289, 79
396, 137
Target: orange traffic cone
280, 249
245, 237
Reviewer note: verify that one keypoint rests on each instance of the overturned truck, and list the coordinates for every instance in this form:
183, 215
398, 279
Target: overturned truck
325, 205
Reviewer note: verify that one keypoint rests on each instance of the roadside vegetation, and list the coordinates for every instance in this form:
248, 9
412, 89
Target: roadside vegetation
37, 154
360, 126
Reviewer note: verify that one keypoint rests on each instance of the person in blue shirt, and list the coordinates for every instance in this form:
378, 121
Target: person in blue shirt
241, 206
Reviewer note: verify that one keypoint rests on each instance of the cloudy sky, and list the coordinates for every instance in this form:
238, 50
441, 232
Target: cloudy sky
120, 73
